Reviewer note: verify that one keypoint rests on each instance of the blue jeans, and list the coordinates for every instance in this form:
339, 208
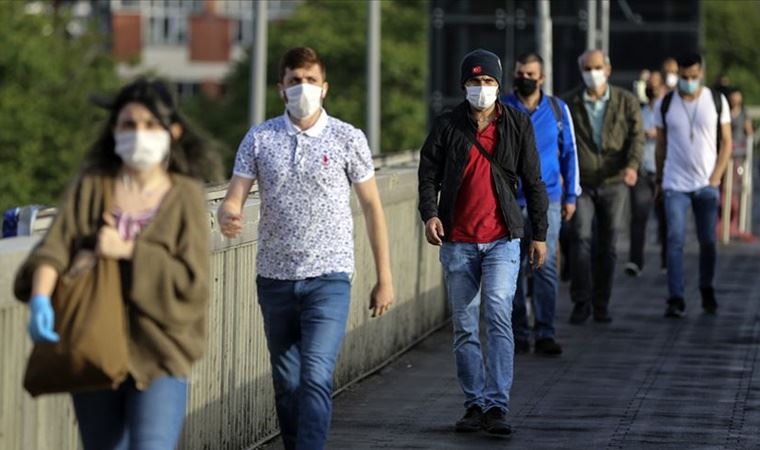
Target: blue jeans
544, 282
130, 419
304, 321
704, 202
492, 269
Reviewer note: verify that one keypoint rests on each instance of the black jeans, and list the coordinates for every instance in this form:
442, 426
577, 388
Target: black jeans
595, 226
642, 200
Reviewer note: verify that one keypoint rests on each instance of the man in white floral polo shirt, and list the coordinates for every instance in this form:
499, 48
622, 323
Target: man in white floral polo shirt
305, 163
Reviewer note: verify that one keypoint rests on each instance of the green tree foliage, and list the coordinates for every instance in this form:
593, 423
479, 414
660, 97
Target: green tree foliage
337, 29
731, 38
47, 123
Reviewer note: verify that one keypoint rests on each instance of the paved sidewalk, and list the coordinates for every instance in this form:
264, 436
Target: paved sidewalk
641, 382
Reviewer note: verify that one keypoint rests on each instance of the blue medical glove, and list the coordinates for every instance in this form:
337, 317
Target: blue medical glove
42, 320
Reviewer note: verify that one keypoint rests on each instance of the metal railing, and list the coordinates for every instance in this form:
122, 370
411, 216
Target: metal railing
40, 222
231, 401
744, 205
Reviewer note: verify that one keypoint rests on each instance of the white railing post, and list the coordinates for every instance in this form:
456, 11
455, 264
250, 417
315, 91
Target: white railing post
728, 181
745, 203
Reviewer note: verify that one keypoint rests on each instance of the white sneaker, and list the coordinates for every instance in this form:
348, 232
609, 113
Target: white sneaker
632, 269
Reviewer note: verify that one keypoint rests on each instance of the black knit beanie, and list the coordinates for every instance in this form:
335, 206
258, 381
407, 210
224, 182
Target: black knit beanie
481, 62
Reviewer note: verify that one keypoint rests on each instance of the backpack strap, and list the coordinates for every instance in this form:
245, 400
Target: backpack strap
557, 110
718, 100
664, 106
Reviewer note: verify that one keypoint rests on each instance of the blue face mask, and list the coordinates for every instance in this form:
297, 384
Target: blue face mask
688, 86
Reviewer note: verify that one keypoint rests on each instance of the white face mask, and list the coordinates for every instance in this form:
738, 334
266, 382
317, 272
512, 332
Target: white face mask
482, 97
303, 100
142, 149
594, 78
671, 80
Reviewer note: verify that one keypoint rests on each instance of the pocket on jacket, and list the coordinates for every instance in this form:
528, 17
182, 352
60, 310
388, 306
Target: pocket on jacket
614, 143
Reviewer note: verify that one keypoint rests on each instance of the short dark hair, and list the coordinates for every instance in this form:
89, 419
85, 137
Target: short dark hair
689, 59
300, 57
530, 57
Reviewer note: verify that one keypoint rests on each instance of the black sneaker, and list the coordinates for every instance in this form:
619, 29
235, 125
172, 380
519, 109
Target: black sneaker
548, 346
471, 421
676, 308
708, 300
495, 422
522, 346
581, 312
602, 315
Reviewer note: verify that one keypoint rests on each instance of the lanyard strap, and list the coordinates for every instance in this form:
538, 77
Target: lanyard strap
693, 117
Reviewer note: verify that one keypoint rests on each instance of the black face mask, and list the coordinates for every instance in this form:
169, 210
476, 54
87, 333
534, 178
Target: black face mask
649, 91
525, 86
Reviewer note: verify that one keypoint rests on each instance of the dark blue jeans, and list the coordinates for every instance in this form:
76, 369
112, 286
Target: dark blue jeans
487, 274
544, 282
304, 321
130, 419
704, 203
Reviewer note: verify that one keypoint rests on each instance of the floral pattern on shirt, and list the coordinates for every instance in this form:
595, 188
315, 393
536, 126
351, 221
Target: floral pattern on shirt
305, 177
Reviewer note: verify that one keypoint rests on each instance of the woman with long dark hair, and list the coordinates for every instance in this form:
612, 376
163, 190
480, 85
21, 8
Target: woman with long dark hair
149, 163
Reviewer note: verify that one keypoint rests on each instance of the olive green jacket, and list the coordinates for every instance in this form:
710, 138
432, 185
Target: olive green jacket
166, 284
622, 137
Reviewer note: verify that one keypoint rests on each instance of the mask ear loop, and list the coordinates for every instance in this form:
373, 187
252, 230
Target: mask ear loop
167, 159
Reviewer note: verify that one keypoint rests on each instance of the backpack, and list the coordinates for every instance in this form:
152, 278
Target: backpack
718, 108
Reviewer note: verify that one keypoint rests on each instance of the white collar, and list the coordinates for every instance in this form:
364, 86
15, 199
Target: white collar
315, 129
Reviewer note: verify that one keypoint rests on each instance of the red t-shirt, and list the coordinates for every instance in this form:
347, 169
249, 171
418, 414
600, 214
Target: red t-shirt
477, 214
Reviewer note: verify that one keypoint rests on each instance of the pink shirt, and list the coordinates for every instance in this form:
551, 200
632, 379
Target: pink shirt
129, 225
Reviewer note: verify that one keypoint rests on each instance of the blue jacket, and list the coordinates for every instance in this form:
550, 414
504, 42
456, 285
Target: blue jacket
556, 161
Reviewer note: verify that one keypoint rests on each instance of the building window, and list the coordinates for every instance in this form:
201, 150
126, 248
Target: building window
167, 27
186, 90
243, 31
166, 20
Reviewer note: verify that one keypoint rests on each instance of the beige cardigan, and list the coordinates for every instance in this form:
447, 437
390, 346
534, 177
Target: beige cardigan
166, 285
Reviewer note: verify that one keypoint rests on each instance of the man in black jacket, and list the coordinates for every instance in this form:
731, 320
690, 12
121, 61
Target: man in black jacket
473, 157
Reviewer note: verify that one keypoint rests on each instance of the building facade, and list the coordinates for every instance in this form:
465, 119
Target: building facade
191, 43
